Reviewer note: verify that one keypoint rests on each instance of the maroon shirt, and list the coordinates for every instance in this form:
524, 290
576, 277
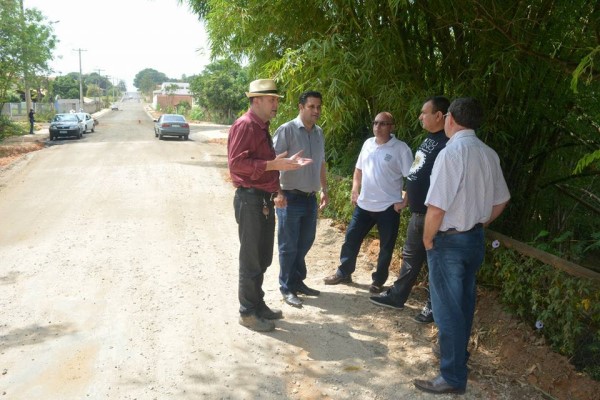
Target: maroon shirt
249, 147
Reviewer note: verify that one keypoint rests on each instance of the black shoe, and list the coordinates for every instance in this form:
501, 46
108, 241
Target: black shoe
292, 299
303, 289
267, 313
336, 279
425, 316
437, 385
375, 288
385, 300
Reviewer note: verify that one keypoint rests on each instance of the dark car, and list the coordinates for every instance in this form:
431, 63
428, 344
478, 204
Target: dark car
66, 125
171, 125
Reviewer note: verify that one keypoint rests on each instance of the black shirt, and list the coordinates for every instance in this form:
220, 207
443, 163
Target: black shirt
417, 182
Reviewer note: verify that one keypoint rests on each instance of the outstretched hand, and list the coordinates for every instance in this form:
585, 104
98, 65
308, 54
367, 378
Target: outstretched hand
282, 163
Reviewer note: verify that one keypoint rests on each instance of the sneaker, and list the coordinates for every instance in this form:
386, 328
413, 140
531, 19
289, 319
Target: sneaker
385, 300
267, 313
425, 316
375, 288
256, 323
336, 279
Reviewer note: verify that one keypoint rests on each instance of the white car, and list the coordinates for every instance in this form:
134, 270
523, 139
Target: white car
88, 121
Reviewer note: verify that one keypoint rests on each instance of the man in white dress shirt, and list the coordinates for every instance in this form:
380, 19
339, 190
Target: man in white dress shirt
467, 191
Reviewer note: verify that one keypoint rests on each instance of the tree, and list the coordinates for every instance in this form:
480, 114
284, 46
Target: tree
147, 79
519, 58
66, 87
220, 88
26, 44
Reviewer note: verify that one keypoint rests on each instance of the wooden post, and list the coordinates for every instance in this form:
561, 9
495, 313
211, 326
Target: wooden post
546, 258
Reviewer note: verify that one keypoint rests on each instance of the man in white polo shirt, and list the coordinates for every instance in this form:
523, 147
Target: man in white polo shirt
377, 184
467, 191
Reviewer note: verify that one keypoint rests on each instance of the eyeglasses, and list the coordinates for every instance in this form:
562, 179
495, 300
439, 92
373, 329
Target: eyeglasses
445, 115
382, 123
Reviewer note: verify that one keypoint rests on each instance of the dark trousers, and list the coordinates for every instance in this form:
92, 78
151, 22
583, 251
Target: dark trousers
362, 222
31, 127
413, 257
257, 235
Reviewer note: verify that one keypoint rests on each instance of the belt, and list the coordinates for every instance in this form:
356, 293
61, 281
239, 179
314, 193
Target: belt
300, 192
258, 192
453, 231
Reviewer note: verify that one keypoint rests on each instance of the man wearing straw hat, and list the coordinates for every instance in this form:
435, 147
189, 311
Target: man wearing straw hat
254, 171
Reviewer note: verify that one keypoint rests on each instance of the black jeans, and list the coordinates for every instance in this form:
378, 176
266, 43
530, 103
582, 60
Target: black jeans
257, 236
413, 257
362, 221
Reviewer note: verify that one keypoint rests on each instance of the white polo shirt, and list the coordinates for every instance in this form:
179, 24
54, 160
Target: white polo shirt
383, 168
466, 182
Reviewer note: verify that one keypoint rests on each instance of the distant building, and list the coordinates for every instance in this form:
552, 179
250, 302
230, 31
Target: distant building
171, 94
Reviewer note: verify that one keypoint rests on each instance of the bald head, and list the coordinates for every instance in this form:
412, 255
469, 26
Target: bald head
383, 126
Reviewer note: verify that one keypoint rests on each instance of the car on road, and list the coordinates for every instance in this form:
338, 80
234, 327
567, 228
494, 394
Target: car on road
65, 125
171, 125
88, 121
114, 107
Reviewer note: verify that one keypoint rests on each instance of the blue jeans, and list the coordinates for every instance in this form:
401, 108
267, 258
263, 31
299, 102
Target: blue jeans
388, 222
297, 226
453, 264
413, 257
257, 235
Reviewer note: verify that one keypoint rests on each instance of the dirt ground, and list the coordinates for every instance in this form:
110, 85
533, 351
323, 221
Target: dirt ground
507, 356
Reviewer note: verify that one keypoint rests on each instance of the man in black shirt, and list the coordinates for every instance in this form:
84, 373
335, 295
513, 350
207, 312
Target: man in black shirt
31, 121
417, 185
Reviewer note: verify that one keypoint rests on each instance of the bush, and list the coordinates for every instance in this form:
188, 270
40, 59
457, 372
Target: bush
9, 128
196, 114
565, 309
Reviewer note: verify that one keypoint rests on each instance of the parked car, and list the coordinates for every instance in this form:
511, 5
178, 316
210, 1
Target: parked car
66, 125
171, 125
114, 107
88, 121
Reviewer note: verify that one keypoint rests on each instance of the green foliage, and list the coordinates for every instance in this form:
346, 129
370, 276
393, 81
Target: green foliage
183, 107
147, 79
339, 208
568, 307
518, 58
588, 160
196, 114
26, 45
220, 89
9, 128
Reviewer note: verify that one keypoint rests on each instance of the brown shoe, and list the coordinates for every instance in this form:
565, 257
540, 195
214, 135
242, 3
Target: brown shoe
437, 385
337, 279
258, 324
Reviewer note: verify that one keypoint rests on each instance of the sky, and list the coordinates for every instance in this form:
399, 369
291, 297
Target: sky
123, 37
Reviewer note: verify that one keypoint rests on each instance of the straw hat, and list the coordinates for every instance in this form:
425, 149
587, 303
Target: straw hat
262, 87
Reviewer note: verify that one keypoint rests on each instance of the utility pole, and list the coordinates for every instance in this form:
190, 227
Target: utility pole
80, 79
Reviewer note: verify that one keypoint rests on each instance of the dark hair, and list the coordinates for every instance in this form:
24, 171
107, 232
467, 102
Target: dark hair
438, 103
304, 96
467, 112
